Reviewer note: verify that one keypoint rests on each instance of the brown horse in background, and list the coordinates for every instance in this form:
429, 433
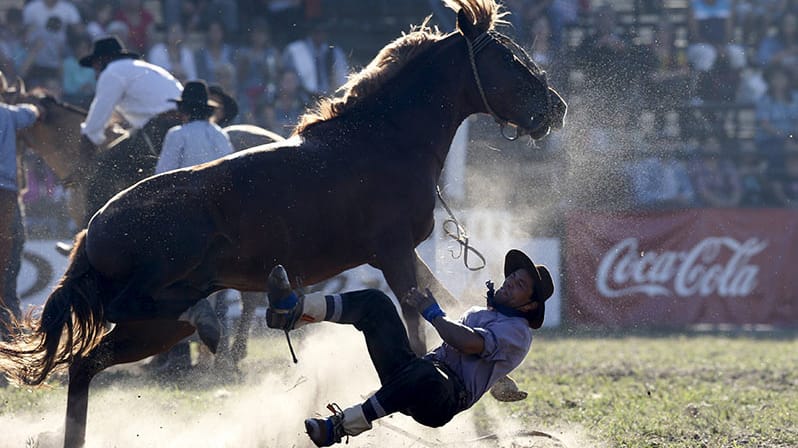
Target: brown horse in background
92, 175
354, 185
56, 139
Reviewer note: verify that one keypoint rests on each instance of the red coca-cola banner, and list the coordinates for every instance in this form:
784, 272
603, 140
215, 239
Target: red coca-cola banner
687, 267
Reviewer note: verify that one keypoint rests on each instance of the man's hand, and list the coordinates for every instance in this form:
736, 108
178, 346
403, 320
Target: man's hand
417, 300
462, 338
423, 303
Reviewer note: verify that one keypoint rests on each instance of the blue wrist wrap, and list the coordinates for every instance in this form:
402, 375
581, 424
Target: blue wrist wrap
432, 311
287, 302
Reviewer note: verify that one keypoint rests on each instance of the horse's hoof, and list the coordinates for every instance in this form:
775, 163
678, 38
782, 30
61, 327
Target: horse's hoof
505, 390
210, 335
49, 439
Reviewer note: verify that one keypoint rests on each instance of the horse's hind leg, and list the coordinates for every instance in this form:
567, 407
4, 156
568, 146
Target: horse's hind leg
127, 342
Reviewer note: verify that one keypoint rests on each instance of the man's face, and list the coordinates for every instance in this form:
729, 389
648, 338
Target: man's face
516, 291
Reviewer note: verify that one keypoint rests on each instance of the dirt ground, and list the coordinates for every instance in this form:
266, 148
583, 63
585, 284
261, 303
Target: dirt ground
264, 408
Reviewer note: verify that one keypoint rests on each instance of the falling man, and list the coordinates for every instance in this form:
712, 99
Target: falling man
482, 347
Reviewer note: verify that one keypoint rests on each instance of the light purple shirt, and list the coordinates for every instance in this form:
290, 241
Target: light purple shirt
507, 342
193, 143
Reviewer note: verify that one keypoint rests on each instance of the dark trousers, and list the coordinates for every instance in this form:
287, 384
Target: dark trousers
12, 239
418, 387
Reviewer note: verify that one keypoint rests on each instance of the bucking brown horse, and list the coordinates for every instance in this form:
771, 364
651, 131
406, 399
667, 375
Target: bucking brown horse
354, 185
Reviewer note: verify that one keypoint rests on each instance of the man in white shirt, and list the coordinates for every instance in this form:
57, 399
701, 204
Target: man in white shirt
137, 90
140, 93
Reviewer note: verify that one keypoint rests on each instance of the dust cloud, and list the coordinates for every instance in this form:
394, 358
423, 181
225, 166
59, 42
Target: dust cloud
269, 408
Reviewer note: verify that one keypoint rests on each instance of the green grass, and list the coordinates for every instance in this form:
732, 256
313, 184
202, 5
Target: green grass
669, 390
674, 391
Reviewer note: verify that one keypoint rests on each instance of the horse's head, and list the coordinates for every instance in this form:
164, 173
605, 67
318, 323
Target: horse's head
55, 136
60, 119
510, 84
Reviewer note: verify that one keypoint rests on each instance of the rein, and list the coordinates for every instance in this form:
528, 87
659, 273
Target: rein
475, 47
459, 235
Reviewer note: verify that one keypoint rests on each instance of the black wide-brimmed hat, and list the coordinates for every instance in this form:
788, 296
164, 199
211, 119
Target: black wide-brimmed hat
107, 47
195, 96
543, 288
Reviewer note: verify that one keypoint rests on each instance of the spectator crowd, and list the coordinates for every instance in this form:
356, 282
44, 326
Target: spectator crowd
691, 106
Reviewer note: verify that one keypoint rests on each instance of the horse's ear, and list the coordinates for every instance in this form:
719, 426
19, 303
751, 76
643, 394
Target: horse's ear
21, 86
466, 25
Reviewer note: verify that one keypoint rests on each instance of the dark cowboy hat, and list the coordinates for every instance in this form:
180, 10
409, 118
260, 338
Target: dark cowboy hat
195, 96
107, 47
229, 104
543, 288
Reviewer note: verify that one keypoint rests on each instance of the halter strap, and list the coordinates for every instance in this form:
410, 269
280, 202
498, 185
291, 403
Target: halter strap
479, 43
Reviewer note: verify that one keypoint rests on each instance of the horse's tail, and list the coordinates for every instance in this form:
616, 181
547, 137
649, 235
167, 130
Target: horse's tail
71, 324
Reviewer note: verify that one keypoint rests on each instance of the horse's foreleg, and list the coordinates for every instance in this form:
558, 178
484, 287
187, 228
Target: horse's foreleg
426, 279
249, 301
399, 270
127, 342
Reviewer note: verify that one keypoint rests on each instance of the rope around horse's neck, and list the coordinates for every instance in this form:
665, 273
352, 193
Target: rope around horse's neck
475, 47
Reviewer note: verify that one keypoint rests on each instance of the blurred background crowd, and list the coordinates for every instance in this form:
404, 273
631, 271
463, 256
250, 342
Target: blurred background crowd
673, 103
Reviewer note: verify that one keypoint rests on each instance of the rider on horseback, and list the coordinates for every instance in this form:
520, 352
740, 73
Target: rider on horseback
137, 90
140, 93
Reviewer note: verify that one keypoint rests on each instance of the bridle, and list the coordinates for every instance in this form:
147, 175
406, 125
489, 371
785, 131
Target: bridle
474, 47
459, 233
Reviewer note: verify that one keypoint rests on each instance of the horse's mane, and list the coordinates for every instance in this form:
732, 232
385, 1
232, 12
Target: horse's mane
484, 14
46, 96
